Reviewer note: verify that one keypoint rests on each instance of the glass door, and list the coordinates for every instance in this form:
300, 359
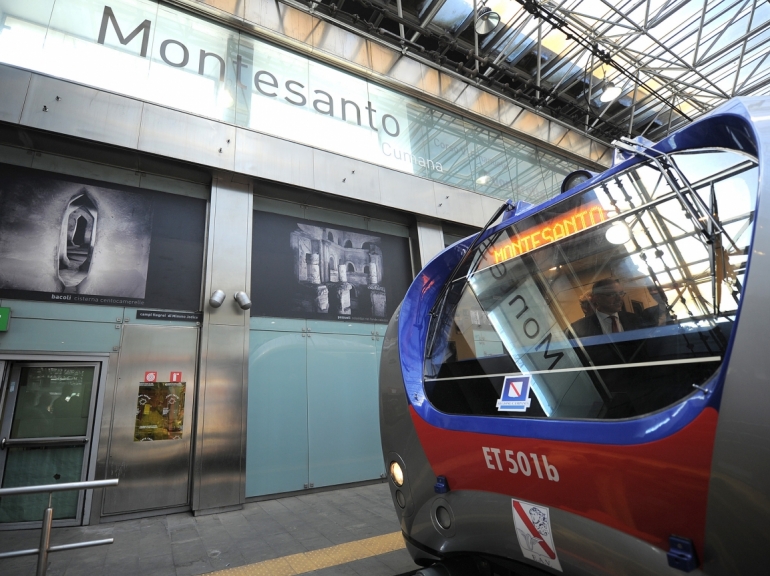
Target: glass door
45, 437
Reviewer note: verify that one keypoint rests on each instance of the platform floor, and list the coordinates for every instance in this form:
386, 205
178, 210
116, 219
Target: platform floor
344, 532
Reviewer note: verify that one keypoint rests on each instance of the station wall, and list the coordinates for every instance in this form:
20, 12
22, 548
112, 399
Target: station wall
281, 397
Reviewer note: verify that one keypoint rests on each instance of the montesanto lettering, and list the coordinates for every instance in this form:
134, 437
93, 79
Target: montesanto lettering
266, 82
565, 225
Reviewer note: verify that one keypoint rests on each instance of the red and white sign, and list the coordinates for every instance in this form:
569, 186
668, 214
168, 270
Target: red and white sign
533, 530
175, 377
150, 376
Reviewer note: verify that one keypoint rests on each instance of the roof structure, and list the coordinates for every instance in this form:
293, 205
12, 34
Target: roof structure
673, 60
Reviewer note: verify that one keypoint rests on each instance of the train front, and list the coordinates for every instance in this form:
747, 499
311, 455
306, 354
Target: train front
550, 390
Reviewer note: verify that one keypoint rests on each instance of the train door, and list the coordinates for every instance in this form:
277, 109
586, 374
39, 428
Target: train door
46, 436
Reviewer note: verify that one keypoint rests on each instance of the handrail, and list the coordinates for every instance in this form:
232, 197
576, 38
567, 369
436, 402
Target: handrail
63, 487
45, 533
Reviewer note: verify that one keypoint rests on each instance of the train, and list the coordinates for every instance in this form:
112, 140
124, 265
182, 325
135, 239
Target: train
583, 386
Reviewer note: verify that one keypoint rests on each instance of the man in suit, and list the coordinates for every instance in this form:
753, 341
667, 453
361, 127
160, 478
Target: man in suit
609, 316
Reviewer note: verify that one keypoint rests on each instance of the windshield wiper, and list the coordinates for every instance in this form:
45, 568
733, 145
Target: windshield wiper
438, 307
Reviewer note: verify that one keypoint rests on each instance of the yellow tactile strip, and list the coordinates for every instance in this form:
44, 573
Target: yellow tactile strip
318, 559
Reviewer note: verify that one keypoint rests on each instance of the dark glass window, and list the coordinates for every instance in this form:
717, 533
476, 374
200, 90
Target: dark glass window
612, 303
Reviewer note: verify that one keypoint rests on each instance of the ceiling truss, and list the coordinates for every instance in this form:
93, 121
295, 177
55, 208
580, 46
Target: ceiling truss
673, 59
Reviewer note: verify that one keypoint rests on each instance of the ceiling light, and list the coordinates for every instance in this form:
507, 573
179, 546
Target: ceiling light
610, 92
618, 233
484, 179
487, 21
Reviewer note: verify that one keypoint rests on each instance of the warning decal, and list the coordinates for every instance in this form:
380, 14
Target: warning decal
533, 529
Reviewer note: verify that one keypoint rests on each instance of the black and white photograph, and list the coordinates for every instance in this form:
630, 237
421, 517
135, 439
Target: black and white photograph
65, 239
306, 269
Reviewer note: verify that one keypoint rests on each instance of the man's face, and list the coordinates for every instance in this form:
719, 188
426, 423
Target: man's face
608, 299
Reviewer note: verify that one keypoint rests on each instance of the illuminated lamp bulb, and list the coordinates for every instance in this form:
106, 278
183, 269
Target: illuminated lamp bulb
610, 92
396, 474
618, 233
484, 179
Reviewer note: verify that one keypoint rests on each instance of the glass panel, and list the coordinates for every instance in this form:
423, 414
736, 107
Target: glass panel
406, 150
72, 50
30, 466
22, 31
611, 304
52, 401
489, 163
533, 184
447, 147
188, 69
279, 102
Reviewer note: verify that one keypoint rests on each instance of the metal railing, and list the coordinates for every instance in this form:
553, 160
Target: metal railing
45, 534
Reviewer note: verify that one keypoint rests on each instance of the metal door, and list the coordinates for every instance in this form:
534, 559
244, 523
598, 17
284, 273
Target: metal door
152, 419
45, 436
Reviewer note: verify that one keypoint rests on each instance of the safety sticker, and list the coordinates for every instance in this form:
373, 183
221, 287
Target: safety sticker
515, 396
533, 529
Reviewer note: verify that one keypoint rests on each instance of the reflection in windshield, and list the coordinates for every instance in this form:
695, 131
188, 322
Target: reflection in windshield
615, 301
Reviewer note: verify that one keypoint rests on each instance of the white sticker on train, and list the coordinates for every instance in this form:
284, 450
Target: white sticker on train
515, 395
533, 530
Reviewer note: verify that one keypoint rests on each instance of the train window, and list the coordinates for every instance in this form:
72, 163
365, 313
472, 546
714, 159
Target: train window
613, 302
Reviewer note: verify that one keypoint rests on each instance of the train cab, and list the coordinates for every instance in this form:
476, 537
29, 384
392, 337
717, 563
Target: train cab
576, 388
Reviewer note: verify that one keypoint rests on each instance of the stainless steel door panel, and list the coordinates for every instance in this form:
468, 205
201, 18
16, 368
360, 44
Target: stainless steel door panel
13, 91
345, 177
273, 159
230, 250
67, 108
221, 437
180, 135
152, 474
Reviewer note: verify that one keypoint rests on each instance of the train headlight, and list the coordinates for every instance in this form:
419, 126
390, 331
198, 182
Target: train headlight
396, 474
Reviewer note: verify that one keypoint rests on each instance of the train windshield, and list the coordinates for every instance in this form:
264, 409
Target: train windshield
613, 303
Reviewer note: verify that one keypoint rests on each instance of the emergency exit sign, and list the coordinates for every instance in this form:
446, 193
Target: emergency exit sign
5, 317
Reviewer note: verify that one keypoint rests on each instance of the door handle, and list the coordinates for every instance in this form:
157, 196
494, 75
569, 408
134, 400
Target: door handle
50, 441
